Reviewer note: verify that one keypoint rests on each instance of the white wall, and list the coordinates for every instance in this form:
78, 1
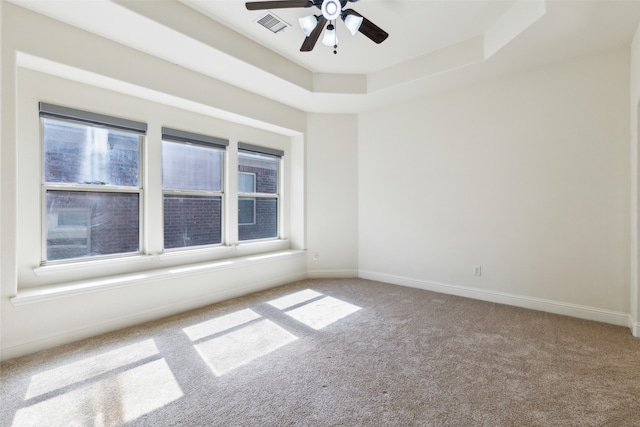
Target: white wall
332, 195
44, 60
635, 188
527, 177
1, 180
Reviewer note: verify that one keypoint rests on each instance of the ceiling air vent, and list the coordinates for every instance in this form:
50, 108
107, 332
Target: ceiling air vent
272, 23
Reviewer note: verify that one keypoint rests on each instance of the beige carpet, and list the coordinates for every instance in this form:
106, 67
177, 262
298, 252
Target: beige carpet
336, 353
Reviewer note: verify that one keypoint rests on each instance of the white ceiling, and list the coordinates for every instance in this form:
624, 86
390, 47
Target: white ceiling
416, 28
433, 45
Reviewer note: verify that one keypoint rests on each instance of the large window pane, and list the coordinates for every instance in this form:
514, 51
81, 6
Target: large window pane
191, 167
192, 221
78, 153
85, 224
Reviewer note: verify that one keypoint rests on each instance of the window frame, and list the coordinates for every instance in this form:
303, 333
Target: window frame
189, 138
149, 196
267, 152
90, 119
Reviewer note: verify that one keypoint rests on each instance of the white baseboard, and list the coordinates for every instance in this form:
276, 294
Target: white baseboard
549, 306
98, 328
635, 328
332, 274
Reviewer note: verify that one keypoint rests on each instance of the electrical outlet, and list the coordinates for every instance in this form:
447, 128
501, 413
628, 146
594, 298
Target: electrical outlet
316, 256
477, 270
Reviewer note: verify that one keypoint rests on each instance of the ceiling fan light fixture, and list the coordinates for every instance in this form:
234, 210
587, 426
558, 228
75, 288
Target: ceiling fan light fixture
330, 38
353, 22
331, 9
313, 26
308, 24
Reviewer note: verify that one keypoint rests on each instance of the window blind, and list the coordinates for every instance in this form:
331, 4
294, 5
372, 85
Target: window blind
57, 111
169, 134
260, 150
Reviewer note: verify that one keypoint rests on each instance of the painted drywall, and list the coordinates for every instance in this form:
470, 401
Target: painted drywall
86, 72
1, 183
332, 195
527, 177
634, 195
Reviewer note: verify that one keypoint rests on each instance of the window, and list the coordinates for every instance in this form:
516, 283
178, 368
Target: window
93, 197
91, 185
258, 192
192, 182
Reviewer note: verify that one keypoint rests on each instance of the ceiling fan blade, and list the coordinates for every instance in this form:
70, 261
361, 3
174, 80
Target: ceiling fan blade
277, 4
369, 29
310, 42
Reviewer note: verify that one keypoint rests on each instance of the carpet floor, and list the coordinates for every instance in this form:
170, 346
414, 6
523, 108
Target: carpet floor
346, 352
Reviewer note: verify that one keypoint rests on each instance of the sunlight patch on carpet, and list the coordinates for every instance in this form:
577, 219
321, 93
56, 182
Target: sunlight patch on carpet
294, 299
220, 324
114, 400
323, 312
242, 346
90, 367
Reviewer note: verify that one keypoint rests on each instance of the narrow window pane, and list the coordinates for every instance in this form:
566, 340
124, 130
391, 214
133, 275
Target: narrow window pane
86, 224
76, 153
265, 169
191, 167
246, 211
246, 182
266, 221
192, 221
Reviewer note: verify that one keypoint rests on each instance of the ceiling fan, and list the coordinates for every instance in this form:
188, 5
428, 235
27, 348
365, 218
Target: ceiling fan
313, 25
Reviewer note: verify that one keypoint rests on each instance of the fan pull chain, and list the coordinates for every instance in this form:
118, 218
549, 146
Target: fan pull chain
335, 46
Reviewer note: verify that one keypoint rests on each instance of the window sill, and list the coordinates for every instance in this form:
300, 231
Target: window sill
53, 292
163, 260
223, 252
251, 246
52, 269
190, 255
